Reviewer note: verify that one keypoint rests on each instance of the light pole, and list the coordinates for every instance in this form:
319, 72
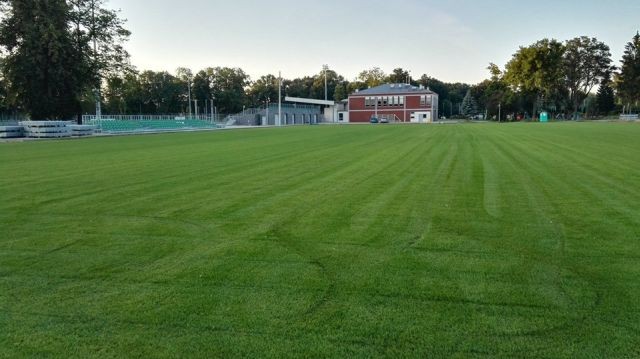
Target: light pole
189, 90
279, 99
213, 112
266, 121
326, 92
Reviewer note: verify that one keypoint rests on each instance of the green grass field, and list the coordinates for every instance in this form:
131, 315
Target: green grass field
357, 241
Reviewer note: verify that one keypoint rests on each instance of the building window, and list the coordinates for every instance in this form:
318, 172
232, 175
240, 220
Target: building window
379, 100
393, 101
423, 100
401, 100
429, 100
385, 101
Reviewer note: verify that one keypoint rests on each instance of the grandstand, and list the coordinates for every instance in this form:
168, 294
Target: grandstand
142, 123
292, 114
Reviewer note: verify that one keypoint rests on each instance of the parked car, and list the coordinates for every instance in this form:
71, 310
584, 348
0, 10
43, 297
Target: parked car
384, 120
374, 120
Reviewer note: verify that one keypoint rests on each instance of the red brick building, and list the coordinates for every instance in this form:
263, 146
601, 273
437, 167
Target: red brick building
395, 103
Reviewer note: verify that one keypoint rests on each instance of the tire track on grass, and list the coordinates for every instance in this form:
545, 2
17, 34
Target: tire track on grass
534, 257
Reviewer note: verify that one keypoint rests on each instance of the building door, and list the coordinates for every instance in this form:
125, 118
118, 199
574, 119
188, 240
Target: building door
421, 117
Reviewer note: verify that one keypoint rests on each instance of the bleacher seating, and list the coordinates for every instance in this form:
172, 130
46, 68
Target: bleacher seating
108, 125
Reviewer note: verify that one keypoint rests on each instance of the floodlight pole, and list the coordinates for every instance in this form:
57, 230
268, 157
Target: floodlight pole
326, 92
279, 98
189, 90
214, 115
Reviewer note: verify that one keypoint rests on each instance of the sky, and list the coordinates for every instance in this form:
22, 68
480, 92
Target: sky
453, 41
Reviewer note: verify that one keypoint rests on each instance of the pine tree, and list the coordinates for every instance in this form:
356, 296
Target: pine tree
341, 93
469, 105
606, 97
629, 78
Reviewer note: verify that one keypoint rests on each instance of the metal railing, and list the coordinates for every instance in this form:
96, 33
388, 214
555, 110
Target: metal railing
178, 117
12, 119
629, 117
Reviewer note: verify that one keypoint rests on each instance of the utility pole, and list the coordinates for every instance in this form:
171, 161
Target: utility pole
326, 92
279, 98
189, 90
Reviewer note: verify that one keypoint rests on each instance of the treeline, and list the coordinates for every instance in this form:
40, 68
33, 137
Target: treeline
230, 90
58, 57
556, 77
560, 77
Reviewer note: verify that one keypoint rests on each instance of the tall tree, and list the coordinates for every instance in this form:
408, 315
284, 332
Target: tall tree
185, 76
494, 94
332, 82
42, 67
355, 85
228, 89
57, 51
4, 95
469, 105
341, 92
537, 69
299, 87
586, 62
399, 76
264, 89
201, 89
628, 82
99, 36
373, 77
606, 99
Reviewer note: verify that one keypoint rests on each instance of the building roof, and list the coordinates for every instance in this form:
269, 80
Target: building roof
309, 101
390, 89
